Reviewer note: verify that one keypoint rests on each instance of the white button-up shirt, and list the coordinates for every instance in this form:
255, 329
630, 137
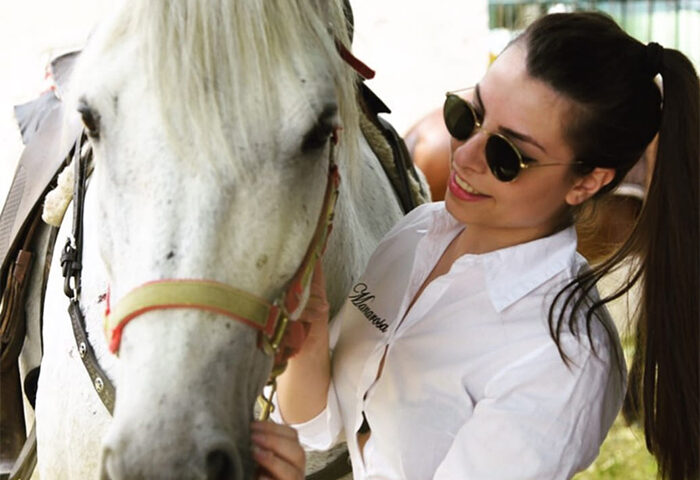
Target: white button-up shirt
473, 386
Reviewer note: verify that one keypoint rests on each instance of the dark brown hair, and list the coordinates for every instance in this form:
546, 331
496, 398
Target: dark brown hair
618, 109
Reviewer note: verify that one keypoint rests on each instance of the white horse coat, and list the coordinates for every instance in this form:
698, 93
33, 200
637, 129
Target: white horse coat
213, 127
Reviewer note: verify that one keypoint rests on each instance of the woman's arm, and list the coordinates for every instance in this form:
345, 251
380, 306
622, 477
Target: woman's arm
302, 390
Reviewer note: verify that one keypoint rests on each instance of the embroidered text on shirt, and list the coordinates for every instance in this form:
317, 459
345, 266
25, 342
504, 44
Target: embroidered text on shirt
359, 299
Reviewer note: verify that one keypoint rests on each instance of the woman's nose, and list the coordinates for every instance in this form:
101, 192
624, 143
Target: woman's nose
469, 154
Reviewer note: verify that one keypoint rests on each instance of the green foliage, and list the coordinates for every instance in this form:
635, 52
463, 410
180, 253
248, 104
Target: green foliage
623, 456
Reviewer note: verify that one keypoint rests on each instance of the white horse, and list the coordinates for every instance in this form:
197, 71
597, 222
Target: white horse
211, 124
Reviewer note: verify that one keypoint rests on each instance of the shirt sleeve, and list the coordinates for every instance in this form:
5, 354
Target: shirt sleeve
321, 432
324, 430
538, 419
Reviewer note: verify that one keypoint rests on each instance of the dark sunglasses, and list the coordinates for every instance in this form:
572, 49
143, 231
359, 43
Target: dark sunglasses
503, 158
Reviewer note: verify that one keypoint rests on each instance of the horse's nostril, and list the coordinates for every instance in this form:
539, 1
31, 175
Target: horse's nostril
219, 465
109, 466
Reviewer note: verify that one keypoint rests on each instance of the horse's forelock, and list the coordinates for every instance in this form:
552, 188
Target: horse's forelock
200, 55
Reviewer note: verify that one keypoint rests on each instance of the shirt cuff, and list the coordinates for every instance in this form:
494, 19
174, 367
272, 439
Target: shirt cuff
321, 432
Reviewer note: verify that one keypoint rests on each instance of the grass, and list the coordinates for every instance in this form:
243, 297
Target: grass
623, 455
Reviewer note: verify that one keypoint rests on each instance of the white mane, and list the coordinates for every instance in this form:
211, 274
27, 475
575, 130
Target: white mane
200, 55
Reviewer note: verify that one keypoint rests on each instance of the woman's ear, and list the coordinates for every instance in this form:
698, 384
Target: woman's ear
588, 185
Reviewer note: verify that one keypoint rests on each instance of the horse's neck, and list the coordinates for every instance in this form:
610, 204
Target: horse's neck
367, 208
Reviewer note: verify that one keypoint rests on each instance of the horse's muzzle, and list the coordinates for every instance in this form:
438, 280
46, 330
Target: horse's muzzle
219, 462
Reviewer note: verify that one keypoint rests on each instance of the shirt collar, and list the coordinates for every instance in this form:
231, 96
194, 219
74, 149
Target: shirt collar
513, 272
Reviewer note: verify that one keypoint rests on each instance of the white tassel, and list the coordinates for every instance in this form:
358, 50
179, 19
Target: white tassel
57, 200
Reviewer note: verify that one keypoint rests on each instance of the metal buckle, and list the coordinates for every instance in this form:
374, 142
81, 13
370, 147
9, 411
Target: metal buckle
266, 405
271, 345
71, 267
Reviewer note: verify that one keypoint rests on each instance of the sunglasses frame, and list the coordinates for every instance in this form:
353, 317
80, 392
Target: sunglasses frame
478, 126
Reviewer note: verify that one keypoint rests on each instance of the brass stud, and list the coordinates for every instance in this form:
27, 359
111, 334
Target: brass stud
82, 348
99, 385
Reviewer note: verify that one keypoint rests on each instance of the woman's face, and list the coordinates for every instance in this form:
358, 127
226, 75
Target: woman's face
531, 115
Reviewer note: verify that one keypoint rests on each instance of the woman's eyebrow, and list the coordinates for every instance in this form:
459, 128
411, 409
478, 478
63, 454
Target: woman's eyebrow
477, 91
521, 136
508, 132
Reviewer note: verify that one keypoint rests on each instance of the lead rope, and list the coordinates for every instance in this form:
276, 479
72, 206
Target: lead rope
265, 402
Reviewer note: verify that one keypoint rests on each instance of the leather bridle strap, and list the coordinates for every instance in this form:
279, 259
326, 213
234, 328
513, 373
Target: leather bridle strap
71, 261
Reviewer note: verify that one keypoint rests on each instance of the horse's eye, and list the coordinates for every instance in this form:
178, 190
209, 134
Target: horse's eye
91, 120
318, 136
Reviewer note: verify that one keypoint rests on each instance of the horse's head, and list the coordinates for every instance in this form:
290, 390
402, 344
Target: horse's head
212, 125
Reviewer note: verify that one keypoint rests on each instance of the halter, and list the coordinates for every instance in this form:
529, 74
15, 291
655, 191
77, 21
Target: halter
280, 333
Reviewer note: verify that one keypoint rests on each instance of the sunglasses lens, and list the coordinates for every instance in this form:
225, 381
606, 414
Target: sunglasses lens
502, 158
459, 117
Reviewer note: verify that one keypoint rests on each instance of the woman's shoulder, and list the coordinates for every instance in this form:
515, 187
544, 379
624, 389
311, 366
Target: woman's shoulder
425, 212
587, 333
421, 217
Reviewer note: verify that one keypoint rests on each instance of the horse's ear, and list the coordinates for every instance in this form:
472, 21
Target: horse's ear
324, 9
350, 18
338, 15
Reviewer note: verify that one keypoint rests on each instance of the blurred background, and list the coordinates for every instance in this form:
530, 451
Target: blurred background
419, 50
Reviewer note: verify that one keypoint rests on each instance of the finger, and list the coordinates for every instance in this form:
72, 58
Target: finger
318, 282
274, 467
285, 447
316, 301
283, 440
315, 309
282, 457
272, 428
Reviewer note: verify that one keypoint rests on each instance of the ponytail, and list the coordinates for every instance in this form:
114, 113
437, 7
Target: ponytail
618, 110
663, 252
664, 388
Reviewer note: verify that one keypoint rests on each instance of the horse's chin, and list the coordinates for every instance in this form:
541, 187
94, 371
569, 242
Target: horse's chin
215, 458
183, 410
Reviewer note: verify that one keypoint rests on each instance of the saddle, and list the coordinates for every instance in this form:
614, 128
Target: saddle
391, 151
24, 246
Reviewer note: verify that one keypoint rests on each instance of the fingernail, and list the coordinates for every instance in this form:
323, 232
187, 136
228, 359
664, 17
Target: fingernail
259, 453
258, 438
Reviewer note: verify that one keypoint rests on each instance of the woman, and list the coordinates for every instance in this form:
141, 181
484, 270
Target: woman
475, 344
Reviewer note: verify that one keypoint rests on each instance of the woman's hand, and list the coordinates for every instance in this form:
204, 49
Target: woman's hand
277, 451
302, 390
316, 311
